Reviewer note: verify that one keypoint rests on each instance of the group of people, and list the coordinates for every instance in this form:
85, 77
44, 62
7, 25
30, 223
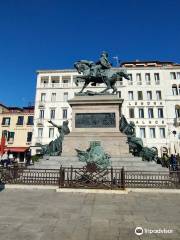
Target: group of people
7, 159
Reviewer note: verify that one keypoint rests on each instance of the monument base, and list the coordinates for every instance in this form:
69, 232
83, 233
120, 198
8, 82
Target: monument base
113, 143
96, 119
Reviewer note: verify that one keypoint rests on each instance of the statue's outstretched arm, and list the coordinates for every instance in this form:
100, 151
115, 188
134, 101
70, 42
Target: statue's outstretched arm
53, 124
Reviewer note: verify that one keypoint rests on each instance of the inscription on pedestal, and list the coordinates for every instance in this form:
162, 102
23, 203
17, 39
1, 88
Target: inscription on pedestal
95, 120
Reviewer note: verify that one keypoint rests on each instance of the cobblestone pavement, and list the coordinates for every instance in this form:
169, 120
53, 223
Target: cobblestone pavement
47, 215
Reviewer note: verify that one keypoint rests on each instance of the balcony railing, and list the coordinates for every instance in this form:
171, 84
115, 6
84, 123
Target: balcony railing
41, 104
5, 124
57, 85
157, 82
40, 122
10, 141
38, 141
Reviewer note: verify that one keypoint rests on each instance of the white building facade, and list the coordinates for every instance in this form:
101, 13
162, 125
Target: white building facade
151, 101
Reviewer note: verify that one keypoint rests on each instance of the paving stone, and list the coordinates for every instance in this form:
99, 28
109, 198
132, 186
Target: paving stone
47, 215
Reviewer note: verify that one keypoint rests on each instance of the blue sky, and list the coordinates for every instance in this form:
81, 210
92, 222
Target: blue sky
53, 34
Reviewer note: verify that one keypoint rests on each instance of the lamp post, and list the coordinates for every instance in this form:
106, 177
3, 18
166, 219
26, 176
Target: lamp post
174, 133
117, 60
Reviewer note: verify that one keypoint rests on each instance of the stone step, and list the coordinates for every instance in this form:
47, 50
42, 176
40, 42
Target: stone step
127, 168
130, 163
113, 159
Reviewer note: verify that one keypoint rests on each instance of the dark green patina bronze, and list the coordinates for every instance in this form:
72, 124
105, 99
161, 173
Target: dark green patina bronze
94, 155
54, 148
135, 143
98, 73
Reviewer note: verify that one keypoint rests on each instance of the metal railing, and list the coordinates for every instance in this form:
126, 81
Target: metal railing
82, 178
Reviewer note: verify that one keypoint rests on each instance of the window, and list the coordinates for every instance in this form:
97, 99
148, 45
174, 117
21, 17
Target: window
55, 81
5, 133
30, 120
53, 97
40, 132
141, 113
130, 95
10, 136
41, 114
150, 113
52, 114
131, 112
138, 79
178, 75
140, 95
130, 82
157, 78
148, 79
162, 132
6, 121
152, 133
66, 80
174, 90
160, 113
119, 94
65, 113
20, 120
149, 95
65, 96
44, 80
43, 97
172, 75
51, 132
158, 95
29, 136
177, 112
142, 133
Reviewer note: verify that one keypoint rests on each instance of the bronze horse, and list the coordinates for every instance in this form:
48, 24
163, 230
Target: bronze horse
107, 76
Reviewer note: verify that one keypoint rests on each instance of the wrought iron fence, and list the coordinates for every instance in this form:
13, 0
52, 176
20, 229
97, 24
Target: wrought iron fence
90, 178
87, 178
147, 179
30, 176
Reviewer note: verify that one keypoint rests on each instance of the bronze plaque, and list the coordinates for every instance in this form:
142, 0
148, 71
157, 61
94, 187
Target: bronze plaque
95, 120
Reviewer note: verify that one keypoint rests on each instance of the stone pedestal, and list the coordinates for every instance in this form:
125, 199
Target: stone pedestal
96, 118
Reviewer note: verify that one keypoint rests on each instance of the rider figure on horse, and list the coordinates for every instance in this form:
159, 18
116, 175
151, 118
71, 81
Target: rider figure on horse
98, 69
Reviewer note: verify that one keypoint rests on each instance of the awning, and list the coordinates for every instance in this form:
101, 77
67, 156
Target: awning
16, 149
2, 146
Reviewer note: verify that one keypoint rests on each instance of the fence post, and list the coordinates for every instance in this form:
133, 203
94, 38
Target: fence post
111, 178
60, 176
178, 178
122, 178
71, 176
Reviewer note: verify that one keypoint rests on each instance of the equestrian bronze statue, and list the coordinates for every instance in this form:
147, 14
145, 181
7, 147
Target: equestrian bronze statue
100, 72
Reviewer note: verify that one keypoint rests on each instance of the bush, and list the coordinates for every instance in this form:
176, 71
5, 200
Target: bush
35, 158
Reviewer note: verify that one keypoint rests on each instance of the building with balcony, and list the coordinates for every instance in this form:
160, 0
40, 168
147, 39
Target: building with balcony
16, 127
151, 100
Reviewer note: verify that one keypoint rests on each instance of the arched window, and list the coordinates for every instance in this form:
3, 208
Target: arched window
164, 150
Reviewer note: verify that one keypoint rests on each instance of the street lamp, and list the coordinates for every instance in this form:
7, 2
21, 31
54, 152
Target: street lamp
174, 133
